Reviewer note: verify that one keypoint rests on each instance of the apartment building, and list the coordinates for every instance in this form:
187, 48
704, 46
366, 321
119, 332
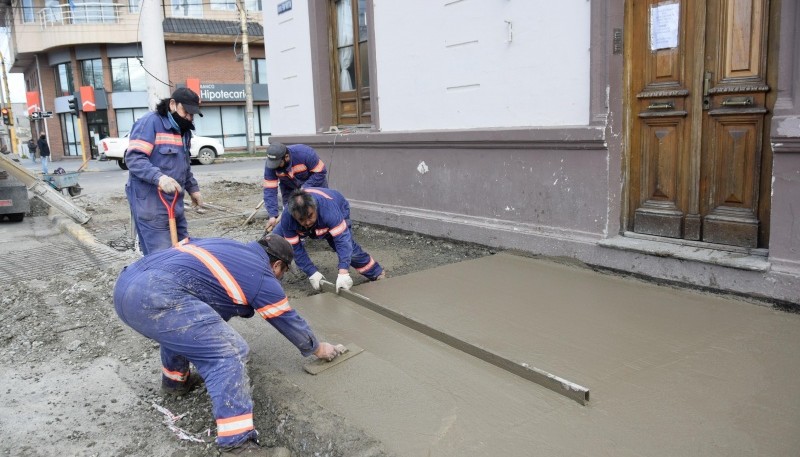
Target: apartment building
62, 47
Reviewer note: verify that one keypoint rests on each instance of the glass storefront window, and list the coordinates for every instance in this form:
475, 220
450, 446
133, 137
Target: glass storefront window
126, 117
127, 75
92, 73
228, 124
64, 79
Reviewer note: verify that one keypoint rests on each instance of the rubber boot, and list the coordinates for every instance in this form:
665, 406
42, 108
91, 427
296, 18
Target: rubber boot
181, 389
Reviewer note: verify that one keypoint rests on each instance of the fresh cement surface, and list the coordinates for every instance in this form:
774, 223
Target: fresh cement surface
671, 372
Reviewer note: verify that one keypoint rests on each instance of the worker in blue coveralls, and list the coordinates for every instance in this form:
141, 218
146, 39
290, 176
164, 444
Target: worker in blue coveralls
325, 213
183, 297
158, 158
290, 168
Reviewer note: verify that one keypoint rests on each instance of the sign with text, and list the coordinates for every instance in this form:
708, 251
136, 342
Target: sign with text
213, 93
284, 6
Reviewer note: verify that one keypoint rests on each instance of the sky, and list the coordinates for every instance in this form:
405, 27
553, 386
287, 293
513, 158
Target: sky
16, 81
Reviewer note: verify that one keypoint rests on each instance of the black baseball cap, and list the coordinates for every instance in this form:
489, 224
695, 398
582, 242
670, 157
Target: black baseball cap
278, 247
275, 153
189, 100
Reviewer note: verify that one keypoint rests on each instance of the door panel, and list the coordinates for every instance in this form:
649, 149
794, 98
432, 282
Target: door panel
698, 118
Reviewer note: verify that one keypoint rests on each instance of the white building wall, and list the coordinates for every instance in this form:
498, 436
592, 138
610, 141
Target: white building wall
456, 64
288, 57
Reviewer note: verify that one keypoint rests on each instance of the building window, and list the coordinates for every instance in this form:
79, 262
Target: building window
252, 5
229, 125
350, 61
259, 67
128, 75
133, 6
126, 117
28, 11
92, 73
223, 5
64, 79
69, 135
96, 12
187, 8
52, 12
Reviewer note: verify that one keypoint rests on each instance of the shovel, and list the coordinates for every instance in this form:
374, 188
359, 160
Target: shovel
173, 228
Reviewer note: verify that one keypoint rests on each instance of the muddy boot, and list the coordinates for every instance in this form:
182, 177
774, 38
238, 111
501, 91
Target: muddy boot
253, 449
177, 389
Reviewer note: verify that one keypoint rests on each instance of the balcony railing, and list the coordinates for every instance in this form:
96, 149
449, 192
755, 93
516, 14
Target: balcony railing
79, 13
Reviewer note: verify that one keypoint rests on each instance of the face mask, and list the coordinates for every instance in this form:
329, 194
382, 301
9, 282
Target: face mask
183, 124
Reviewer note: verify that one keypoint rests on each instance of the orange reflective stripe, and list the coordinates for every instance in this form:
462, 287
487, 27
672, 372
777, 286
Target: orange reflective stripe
321, 231
235, 425
175, 375
293, 240
141, 145
219, 271
169, 138
367, 266
320, 166
299, 168
339, 229
275, 310
270, 184
319, 192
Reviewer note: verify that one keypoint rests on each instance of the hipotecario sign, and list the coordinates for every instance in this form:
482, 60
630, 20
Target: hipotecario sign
213, 93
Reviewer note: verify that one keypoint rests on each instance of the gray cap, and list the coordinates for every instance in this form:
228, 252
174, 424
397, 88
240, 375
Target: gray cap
277, 246
275, 153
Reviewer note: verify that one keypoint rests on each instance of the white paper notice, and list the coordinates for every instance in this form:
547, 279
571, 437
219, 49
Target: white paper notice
664, 26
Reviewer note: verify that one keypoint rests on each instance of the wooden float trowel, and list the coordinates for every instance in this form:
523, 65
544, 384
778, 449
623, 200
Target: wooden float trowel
320, 365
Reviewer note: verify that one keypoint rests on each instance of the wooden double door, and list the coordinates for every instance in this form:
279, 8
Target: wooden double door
699, 74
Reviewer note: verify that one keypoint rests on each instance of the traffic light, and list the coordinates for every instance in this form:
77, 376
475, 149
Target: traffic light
6, 116
73, 105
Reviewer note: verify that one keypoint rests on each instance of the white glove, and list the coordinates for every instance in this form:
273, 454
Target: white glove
344, 282
315, 280
168, 185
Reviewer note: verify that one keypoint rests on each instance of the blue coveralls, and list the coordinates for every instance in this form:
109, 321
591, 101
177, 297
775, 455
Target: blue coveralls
183, 297
157, 148
305, 169
333, 224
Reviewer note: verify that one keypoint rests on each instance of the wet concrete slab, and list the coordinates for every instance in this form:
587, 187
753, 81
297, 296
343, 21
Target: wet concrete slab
671, 371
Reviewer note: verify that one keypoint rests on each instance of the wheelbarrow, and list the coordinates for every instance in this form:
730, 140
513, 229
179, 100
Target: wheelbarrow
61, 181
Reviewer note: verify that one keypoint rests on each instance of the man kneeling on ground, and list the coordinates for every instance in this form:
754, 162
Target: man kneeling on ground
182, 298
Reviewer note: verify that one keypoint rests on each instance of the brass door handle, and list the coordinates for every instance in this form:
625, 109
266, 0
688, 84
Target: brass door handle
738, 101
661, 105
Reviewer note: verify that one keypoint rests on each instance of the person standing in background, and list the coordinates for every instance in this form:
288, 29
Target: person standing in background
44, 151
32, 149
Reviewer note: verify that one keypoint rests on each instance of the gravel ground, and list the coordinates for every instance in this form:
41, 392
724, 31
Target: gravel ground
78, 382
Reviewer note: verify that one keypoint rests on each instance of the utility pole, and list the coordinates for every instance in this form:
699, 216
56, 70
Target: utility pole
12, 131
248, 79
154, 53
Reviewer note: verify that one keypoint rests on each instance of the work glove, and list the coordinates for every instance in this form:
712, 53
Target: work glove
197, 202
315, 280
344, 281
168, 185
327, 351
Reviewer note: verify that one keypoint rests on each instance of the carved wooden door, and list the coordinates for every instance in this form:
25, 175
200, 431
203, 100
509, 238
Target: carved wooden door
699, 161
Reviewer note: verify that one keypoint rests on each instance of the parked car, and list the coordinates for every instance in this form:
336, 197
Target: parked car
204, 149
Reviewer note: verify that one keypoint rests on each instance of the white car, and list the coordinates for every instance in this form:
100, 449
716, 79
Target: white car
204, 149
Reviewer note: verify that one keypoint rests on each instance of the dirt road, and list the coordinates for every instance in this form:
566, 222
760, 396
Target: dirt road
76, 381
